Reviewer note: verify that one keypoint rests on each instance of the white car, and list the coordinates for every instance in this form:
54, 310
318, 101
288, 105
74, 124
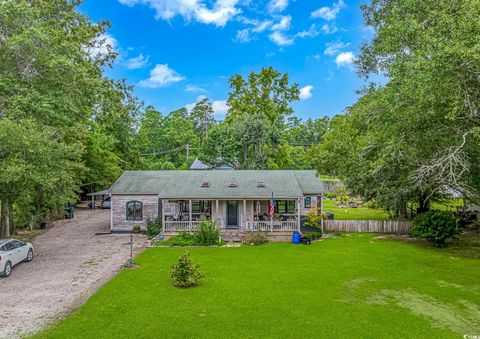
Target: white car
12, 252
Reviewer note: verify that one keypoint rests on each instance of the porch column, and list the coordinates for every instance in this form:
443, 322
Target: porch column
271, 218
162, 202
298, 214
216, 212
321, 212
244, 213
190, 214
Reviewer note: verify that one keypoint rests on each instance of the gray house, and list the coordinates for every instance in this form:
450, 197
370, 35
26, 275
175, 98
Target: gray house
237, 201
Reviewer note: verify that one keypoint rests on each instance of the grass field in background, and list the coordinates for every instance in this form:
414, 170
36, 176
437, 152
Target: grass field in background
354, 285
358, 213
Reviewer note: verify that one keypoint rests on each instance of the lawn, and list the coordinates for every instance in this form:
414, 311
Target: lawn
349, 286
359, 213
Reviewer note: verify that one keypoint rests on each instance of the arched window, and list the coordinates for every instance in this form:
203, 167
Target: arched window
134, 210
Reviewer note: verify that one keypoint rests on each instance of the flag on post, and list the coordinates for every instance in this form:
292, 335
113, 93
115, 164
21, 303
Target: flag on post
272, 208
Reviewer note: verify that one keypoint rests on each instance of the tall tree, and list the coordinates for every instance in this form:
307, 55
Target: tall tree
51, 63
202, 115
258, 107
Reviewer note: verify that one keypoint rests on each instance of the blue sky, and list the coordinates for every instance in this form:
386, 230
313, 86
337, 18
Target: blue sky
176, 51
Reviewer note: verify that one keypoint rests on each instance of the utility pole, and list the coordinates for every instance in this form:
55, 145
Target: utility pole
187, 148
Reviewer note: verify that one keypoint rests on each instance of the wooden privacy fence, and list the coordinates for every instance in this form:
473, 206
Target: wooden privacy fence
378, 226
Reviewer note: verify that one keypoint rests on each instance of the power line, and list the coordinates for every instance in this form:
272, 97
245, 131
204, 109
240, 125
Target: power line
186, 147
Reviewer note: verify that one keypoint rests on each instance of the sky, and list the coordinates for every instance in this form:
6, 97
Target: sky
176, 52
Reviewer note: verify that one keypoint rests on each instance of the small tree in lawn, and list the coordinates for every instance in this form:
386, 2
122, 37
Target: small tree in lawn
185, 273
314, 219
436, 226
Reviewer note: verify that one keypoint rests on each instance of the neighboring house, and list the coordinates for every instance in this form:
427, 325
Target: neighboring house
236, 200
220, 165
199, 165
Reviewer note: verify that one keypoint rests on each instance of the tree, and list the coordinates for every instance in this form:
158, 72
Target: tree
38, 168
185, 273
429, 52
54, 99
168, 142
436, 226
202, 115
267, 93
258, 107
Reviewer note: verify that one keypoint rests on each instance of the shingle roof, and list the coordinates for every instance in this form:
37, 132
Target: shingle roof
188, 184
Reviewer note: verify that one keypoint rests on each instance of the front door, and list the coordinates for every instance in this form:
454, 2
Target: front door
232, 214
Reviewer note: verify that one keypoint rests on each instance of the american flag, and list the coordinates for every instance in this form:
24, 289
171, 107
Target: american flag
272, 208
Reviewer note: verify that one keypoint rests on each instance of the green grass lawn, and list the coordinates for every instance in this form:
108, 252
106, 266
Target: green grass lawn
359, 213
350, 286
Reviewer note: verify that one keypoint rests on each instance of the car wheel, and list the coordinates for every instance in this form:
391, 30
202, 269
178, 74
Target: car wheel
8, 269
29, 256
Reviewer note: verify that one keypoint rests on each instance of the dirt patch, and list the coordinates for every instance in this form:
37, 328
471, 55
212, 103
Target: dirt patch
461, 316
70, 264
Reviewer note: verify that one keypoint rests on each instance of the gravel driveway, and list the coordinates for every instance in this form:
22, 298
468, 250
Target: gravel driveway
70, 264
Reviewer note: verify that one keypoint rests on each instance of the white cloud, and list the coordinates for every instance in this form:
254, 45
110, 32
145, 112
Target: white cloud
242, 36
345, 59
310, 33
328, 13
333, 48
136, 62
194, 89
280, 39
327, 29
277, 6
306, 92
160, 76
219, 13
277, 35
261, 26
283, 24
220, 107
102, 45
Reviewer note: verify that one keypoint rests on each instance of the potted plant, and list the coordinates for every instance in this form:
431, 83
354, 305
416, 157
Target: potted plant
136, 229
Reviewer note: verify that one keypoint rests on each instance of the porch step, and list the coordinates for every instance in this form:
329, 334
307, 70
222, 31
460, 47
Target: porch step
231, 236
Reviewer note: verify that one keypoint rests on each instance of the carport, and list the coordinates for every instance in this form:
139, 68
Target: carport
98, 194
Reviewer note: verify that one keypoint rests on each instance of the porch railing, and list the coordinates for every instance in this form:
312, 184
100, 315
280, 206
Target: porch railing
181, 226
265, 226
278, 226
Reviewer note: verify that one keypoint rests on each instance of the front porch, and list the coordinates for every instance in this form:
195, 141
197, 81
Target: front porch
231, 216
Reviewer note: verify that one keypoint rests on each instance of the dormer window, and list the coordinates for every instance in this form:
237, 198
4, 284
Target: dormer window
205, 184
233, 184
260, 184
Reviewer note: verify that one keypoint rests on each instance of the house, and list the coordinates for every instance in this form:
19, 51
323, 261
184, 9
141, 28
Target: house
237, 201
220, 164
